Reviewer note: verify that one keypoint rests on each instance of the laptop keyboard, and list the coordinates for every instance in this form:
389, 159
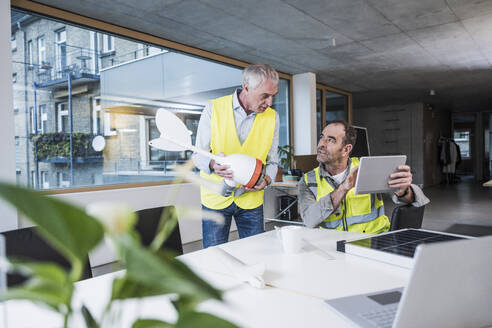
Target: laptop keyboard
382, 318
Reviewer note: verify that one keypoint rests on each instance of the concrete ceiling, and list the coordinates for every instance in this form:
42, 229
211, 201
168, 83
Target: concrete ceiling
383, 50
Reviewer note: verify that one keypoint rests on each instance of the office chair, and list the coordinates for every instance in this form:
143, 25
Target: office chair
147, 224
407, 216
27, 244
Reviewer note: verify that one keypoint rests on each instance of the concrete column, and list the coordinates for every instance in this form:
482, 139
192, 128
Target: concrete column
304, 93
8, 219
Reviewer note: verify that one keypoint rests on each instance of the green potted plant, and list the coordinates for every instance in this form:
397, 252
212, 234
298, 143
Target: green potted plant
74, 232
286, 161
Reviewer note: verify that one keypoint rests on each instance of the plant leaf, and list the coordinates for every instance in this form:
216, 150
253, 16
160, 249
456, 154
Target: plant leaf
66, 227
163, 271
168, 222
125, 288
90, 322
151, 323
202, 320
49, 284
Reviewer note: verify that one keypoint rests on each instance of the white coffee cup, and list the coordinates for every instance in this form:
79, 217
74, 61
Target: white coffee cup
291, 237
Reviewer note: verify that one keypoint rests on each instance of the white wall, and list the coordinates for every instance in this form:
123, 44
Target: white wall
8, 217
304, 93
185, 195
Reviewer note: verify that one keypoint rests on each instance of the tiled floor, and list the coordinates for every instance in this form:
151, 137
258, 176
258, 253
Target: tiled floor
464, 207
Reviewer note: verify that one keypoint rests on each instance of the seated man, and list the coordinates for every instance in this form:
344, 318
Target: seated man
326, 193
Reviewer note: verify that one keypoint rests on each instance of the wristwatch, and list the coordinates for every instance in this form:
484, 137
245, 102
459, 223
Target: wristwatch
404, 193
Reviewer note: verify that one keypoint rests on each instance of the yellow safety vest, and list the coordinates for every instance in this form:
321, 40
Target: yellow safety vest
358, 213
224, 139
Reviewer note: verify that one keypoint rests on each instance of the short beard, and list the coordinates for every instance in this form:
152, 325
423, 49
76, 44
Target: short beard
333, 163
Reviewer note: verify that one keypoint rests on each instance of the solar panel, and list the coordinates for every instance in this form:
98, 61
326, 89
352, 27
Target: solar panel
395, 247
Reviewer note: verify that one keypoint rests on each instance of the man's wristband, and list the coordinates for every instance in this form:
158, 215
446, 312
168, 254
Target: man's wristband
404, 193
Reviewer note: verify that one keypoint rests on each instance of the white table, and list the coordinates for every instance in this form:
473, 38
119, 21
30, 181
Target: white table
488, 184
300, 283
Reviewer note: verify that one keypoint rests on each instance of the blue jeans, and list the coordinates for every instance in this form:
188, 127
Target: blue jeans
248, 222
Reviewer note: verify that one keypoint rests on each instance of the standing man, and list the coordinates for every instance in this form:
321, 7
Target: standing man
242, 122
326, 194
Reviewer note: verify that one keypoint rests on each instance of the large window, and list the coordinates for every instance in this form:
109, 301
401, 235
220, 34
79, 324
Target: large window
113, 87
336, 107
331, 104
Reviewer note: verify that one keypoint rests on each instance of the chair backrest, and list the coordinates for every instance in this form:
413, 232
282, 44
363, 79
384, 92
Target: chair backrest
148, 222
27, 244
306, 163
407, 216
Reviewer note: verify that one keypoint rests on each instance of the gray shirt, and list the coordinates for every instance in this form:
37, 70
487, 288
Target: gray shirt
314, 212
243, 123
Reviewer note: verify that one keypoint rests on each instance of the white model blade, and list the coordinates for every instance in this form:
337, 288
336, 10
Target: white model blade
175, 136
172, 128
165, 144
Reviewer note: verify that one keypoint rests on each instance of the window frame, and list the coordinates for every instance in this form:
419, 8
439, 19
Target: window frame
30, 54
107, 43
110, 29
58, 51
13, 43
42, 117
59, 116
41, 53
45, 179
324, 89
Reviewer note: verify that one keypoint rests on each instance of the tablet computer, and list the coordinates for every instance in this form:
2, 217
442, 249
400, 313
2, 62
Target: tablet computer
374, 172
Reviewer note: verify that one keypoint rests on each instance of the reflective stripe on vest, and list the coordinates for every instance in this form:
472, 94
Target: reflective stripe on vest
364, 213
224, 138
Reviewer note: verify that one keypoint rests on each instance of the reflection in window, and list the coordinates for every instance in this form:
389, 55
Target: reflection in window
62, 115
462, 139
61, 50
13, 43
43, 119
336, 107
63, 179
41, 51
45, 182
30, 54
107, 43
114, 90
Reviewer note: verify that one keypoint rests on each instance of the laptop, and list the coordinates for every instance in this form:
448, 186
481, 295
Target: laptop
450, 286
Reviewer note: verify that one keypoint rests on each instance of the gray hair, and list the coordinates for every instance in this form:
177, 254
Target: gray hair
254, 75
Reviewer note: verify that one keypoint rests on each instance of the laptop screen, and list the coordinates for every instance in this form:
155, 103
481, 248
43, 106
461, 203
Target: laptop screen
386, 298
